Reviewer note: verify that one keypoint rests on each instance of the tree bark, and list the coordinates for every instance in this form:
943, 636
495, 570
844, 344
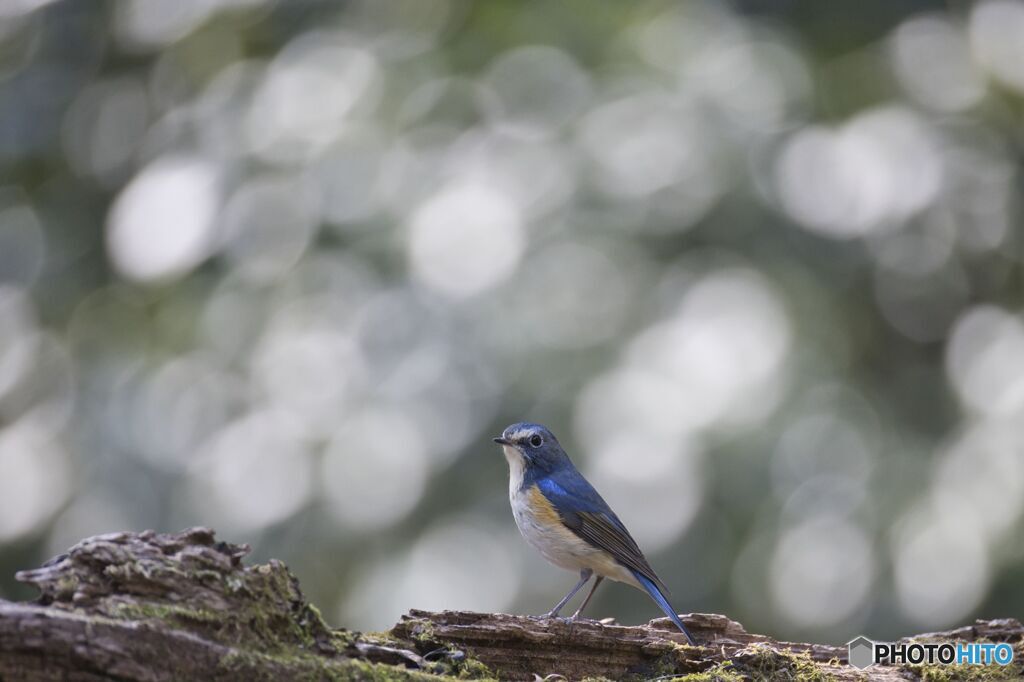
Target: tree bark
152, 606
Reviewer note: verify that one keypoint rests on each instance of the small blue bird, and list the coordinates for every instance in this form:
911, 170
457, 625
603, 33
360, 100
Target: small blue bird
560, 514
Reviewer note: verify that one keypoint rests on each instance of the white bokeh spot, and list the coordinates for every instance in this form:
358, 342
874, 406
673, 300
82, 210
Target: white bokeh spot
161, 225
466, 239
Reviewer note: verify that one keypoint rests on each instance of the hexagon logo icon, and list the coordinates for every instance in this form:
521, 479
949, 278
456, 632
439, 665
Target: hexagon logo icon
861, 652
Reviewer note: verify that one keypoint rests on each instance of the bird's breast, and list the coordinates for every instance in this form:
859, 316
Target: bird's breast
541, 525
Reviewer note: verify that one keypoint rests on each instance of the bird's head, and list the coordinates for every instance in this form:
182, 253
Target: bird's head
531, 445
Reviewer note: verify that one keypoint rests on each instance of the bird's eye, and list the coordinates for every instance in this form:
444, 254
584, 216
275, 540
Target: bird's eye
536, 441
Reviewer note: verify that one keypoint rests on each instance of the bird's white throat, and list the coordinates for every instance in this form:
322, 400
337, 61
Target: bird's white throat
516, 469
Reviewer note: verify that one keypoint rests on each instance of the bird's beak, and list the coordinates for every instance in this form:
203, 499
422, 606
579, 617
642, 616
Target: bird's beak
502, 441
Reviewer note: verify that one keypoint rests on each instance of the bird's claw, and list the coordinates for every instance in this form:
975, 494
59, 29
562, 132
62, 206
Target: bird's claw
555, 616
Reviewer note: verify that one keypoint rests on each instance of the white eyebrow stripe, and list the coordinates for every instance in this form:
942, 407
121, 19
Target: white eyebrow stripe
519, 434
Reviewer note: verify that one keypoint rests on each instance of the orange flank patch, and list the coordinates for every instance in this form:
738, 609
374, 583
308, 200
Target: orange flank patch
542, 510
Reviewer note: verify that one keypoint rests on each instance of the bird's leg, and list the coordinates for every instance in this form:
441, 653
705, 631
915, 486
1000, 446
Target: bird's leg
587, 600
584, 577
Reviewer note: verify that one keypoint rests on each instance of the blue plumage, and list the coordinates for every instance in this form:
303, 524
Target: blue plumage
662, 602
572, 493
560, 513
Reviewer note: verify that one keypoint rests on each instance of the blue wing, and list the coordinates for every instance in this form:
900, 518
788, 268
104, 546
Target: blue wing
586, 514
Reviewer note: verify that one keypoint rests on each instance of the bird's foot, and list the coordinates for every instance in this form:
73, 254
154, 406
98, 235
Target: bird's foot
551, 615
577, 618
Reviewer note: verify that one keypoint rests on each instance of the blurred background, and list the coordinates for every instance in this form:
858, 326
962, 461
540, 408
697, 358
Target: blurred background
284, 268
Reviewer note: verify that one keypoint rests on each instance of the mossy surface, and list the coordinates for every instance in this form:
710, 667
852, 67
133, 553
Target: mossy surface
967, 673
472, 669
378, 672
722, 672
192, 583
259, 666
260, 607
422, 632
169, 613
765, 662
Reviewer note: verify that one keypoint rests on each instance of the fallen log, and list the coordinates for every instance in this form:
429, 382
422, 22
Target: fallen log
153, 606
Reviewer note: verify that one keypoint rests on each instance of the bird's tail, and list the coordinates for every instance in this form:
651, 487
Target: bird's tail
662, 602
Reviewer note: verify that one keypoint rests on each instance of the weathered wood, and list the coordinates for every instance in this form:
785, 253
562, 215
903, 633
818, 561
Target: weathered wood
153, 607
520, 647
